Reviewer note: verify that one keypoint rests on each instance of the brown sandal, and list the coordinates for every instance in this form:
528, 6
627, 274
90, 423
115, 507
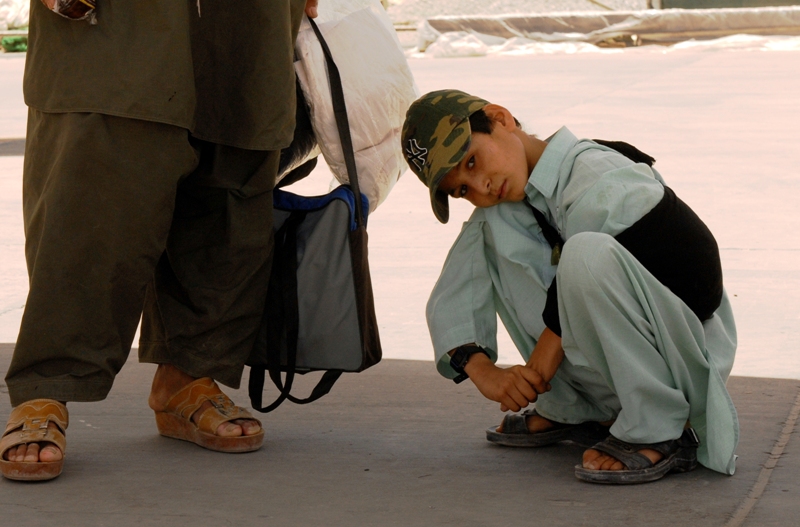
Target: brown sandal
27, 424
176, 421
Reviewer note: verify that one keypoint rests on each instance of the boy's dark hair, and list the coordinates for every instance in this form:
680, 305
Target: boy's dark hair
480, 123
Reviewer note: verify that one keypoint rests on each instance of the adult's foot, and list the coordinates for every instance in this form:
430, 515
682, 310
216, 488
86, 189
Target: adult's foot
32, 448
168, 380
35, 452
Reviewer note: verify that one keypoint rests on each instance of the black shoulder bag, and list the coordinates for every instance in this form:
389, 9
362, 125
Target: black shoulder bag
320, 313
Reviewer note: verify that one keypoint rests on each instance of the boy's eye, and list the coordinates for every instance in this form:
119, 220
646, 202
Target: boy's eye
459, 192
471, 162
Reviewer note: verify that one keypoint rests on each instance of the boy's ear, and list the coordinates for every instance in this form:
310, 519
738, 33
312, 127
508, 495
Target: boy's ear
500, 116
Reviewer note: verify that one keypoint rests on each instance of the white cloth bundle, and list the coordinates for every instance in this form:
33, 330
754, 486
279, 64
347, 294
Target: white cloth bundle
378, 89
14, 14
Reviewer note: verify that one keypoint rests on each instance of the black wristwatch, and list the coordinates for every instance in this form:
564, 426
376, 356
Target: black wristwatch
460, 358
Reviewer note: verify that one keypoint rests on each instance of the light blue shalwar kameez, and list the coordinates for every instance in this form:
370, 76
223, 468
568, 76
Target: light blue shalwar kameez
634, 351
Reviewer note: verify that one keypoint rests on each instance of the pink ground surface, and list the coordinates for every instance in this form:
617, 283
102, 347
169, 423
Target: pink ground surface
721, 123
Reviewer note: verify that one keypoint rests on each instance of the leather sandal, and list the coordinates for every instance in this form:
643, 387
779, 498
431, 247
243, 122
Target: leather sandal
28, 423
176, 420
515, 432
680, 455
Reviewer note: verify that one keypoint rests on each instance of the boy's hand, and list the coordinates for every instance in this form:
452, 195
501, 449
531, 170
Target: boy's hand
512, 387
547, 355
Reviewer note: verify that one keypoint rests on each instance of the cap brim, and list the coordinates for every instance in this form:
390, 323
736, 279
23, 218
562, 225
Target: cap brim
439, 202
440, 205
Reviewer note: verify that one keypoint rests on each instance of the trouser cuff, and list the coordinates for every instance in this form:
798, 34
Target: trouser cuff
74, 390
189, 362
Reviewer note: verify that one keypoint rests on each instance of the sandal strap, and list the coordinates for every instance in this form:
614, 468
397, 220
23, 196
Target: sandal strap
38, 409
625, 453
191, 397
515, 424
628, 453
518, 423
688, 439
28, 423
221, 411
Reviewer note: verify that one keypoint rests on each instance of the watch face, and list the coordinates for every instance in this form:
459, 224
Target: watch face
462, 355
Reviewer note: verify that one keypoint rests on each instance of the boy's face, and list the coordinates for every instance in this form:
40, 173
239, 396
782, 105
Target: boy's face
494, 170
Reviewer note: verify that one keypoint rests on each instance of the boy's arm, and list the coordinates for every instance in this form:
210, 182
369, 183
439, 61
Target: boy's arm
461, 307
547, 355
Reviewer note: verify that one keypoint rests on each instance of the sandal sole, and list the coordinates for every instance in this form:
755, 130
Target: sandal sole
176, 427
21, 471
577, 434
539, 439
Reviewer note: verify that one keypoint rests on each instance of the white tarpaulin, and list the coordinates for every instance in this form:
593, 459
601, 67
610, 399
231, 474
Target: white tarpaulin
650, 26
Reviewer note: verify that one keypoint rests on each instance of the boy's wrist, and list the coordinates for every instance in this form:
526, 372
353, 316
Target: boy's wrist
460, 359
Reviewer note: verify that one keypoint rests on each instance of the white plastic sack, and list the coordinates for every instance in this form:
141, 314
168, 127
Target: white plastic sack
378, 89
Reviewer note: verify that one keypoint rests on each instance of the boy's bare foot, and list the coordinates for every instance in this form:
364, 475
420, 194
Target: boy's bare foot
536, 424
168, 380
595, 460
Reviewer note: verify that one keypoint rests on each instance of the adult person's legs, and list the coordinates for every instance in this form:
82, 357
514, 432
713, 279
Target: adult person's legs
100, 193
98, 199
206, 301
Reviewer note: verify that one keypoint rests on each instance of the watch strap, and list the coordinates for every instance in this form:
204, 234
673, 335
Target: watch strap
460, 357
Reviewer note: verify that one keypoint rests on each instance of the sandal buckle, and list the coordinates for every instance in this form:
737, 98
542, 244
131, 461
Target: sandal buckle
35, 423
222, 404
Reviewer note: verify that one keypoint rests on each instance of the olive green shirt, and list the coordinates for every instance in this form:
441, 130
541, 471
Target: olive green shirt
223, 70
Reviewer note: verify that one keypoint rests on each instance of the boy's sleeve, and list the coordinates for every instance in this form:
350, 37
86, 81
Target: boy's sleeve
461, 307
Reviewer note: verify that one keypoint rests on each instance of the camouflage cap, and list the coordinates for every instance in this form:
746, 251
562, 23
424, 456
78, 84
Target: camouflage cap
436, 136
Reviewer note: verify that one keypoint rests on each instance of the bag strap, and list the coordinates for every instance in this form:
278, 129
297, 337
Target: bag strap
550, 233
283, 316
342, 122
628, 150
286, 259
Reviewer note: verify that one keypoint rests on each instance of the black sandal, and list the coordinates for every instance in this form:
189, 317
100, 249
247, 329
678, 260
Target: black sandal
515, 432
680, 455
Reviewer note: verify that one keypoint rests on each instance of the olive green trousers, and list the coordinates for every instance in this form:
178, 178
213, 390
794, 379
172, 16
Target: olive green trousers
127, 219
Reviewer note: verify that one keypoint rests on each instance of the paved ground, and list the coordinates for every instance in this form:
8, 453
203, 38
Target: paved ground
395, 445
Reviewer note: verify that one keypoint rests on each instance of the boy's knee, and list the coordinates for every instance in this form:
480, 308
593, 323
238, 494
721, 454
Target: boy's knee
587, 258
590, 260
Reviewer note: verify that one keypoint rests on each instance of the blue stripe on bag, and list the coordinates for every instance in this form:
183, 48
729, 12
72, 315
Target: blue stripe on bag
283, 200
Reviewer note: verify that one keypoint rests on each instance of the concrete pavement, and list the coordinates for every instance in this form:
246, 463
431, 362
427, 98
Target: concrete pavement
396, 445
